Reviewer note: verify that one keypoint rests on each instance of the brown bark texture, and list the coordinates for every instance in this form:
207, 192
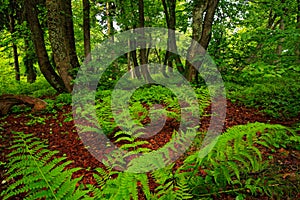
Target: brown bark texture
86, 30
9, 100
40, 49
61, 35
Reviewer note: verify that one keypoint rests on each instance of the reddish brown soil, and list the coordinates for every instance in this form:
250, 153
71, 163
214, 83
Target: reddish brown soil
62, 136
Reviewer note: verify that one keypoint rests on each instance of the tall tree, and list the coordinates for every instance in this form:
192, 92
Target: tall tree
170, 15
208, 23
203, 16
281, 27
110, 33
12, 24
142, 42
86, 29
29, 60
199, 7
37, 35
61, 35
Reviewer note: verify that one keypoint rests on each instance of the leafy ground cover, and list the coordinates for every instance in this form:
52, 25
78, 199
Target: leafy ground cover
56, 126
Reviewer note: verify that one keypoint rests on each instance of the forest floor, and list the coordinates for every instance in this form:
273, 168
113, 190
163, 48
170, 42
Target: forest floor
62, 136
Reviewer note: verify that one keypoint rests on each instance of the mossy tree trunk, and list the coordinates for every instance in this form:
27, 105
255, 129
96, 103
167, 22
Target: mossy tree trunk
203, 16
61, 35
37, 35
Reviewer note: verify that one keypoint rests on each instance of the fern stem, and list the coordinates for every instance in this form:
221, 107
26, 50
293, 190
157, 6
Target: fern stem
39, 169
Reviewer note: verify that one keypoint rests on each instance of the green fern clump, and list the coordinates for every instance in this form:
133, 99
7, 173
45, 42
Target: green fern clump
172, 185
36, 172
236, 161
123, 187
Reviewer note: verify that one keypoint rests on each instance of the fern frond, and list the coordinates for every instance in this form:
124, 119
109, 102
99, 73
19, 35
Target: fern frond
38, 173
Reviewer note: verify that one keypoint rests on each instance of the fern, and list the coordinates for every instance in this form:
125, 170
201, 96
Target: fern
172, 185
123, 187
36, 172
236, 160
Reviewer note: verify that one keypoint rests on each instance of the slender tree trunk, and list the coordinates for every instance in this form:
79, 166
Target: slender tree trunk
110, 33
29, 61
133, 43
197, 28
143, 50
208, 22
61, 35
86, 30
132, 74
167, 55
16, 62
172, 46
134, 60
201, 34
14, 46
281, 27
279, 47
40, 49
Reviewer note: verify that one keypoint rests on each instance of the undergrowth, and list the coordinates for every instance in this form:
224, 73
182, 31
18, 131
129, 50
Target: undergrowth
272, 89
237, 165
36, 172
141, 102
37, 89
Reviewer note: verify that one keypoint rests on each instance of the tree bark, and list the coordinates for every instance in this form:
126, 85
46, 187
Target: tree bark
143, 50
14, 46
86, 30
110, 33
29, 61
61, 35
134, 60
279, 47
8, 100
40, 49
16, 61
197, 28
208, 22
282, 28
172, 46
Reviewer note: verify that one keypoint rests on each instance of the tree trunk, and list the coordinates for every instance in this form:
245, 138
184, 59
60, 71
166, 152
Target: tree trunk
143, 50
61, 35
197, 28
172, 46
16, 62
14, 46
40, 49
281, 40
281, 27
29, 61
208, 22
86, 30
110, 33
8, 100
135, 61
128, 55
